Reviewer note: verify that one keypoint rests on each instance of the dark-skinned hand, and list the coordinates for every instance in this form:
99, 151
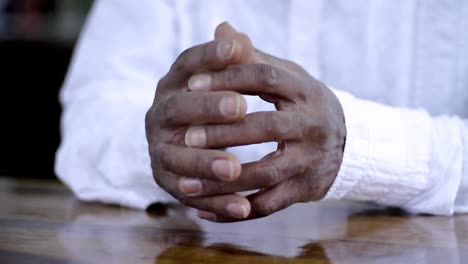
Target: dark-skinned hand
198, 111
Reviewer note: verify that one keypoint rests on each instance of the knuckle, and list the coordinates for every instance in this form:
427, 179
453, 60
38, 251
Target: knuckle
149, 121
207, 56
299, 122
316, 128
273, 175
268, 207
199, 163
217, 134
274, 127
313, 90
210, 104
247, 46
319, 89
157, 179
153, 153
215, 188
168, 109
183, 199
304, 94
323, 128
267, 75
157, 152
148, 116
158, 176
233, 74
180, 64
313, 188
162, 83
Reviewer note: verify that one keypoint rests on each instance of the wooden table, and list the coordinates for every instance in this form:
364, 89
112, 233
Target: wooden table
41, 222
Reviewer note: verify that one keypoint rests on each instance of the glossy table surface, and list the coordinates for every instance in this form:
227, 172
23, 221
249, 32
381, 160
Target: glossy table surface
42, 222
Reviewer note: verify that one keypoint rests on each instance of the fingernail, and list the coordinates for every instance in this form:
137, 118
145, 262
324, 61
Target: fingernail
206, 215
226, 49
224, 169
237, 210
199, 82
190, 186
230, 106
195, 137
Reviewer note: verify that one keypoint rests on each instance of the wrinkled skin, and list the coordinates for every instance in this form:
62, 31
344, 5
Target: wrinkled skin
198, 111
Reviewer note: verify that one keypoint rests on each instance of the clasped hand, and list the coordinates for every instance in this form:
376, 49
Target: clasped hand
199, 110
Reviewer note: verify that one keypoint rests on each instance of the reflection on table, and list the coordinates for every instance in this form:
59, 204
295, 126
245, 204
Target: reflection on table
43, 222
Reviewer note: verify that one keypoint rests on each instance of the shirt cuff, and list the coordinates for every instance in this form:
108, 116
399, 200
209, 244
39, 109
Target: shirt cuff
355, 151
384, 160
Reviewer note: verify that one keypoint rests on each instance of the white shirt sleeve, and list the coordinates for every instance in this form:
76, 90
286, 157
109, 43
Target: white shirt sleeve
393, 156
110, 85
402, 157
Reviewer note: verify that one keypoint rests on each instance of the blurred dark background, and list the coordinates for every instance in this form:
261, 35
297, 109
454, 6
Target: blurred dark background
37, 38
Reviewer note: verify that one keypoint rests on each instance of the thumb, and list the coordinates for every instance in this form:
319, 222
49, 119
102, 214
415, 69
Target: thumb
244, 52
247, 53
225, 31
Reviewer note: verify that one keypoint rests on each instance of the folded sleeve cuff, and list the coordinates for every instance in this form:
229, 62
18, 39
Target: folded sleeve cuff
384, 159
354, 156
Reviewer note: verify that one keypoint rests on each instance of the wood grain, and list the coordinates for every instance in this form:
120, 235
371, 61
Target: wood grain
42, 222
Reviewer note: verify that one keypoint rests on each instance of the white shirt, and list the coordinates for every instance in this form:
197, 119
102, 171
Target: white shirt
400, 69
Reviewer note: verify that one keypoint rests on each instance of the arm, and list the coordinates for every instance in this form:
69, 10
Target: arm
109, 87
404, 158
